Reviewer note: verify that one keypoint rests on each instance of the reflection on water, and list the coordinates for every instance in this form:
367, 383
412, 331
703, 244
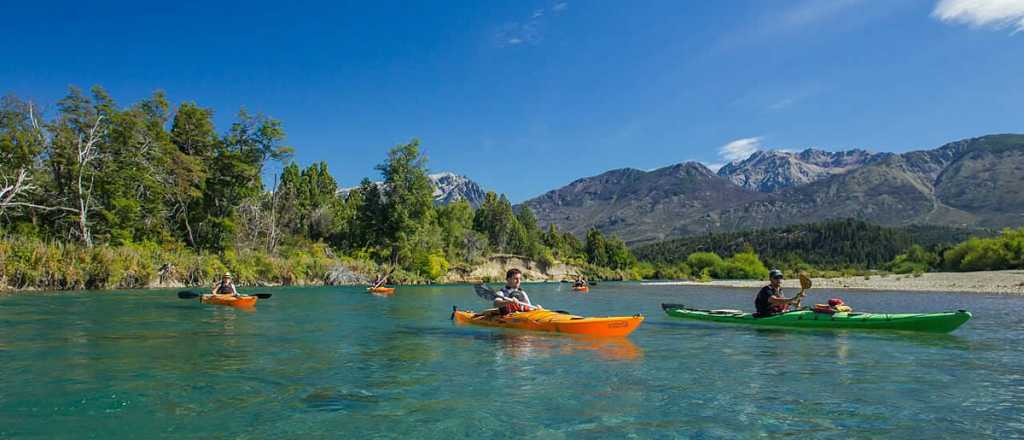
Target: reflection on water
531, 345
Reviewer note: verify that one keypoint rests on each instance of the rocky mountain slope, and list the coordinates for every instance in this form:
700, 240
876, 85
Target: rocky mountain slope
450, 187
975, 182
773, 170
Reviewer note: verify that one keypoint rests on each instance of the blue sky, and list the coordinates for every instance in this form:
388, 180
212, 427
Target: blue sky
526, 96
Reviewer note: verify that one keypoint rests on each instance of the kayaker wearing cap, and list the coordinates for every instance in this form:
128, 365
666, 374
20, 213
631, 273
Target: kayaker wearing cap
511, 298
770, 301
225, 286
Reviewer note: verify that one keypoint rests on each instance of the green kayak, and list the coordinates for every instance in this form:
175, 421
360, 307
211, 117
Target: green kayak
944, 322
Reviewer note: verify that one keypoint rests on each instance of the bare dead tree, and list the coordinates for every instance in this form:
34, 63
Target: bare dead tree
87, 152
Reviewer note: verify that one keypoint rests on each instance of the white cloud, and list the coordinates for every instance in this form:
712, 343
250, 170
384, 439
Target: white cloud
559, 7
740, 148
995, 14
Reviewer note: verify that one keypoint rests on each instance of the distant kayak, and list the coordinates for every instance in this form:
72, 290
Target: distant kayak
382, 290
229, 300
944, 322
551, 321
581, 288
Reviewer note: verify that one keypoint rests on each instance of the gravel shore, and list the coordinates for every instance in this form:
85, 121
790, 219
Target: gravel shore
1001, 281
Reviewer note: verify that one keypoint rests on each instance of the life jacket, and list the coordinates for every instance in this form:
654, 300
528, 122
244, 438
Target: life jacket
224, 289
512, 307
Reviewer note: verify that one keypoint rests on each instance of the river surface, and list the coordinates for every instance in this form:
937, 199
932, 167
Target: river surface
318, 363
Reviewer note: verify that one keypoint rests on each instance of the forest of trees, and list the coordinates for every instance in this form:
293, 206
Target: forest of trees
100, 195
836, 244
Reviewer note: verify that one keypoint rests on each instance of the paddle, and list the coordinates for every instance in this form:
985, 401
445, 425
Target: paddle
488, 294
188, 294
383, 280
805, 283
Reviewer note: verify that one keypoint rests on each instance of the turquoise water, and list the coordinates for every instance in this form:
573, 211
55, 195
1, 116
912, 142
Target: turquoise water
317, 363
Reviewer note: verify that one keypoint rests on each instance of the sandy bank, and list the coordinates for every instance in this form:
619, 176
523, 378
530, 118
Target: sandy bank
1001, 281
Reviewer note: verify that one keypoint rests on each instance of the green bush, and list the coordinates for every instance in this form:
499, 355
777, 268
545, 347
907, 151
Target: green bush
742, 266
699, 261
1003, 252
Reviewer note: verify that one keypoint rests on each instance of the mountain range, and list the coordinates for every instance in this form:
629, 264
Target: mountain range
974, 183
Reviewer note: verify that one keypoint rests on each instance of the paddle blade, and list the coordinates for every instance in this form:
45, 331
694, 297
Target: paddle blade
185, 294
805, 282
483, 292
262, 295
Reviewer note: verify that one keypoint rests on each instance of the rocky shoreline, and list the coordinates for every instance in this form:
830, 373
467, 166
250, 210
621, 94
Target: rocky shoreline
1000, 281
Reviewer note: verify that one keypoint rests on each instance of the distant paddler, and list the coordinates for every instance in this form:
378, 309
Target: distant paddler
380, 281
225, 286
580, 283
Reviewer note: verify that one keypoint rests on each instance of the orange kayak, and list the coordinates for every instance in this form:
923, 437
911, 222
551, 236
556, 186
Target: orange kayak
581, 289
384, 290
229, 300
551, 321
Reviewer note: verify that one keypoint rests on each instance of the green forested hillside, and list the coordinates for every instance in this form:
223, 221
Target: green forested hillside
832, 245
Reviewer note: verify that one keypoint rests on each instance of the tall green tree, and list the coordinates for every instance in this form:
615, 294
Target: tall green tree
408, 198
596, 248
192, 132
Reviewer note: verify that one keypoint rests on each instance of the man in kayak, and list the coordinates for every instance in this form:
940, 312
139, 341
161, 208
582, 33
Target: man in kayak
580, 282
225, 286
770, 301
511, 298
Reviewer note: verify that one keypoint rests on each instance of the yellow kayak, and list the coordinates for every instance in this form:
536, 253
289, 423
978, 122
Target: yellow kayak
551, 321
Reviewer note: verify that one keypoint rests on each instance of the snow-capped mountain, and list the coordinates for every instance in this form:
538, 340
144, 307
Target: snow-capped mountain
448, 188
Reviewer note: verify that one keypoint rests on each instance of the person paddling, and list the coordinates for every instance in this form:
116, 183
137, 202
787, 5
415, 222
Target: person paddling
580, 282
380, 282
770, 301
225, 286
512, 298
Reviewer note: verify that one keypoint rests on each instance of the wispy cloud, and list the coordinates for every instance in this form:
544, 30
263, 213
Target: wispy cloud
811, 12
778, 20
781, 104
995, 14
740, 148
529, 31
